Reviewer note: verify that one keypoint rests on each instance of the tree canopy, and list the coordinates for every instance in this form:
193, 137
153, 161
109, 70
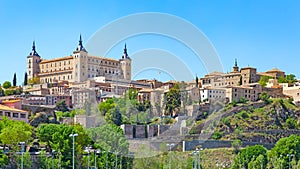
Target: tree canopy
58, 138
6, 85
12, 132
172, 100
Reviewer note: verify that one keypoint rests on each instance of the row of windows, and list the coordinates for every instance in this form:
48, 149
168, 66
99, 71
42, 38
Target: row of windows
14, 115
50, 80
215, 96
55, 64
60, 69
229, 77
226, 83
105, 62
216, 91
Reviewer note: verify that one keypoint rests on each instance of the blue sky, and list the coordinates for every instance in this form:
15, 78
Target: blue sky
261, 34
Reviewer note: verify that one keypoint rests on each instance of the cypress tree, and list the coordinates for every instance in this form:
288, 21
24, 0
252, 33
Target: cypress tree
25, 79
15, 80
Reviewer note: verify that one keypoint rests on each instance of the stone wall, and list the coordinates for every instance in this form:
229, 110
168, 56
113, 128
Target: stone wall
128, 130
143, 131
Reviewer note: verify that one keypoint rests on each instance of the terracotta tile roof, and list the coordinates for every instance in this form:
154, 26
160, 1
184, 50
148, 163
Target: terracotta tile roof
56, 59
5, 108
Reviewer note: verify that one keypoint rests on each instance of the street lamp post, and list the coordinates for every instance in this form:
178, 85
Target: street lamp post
262, 163
73, 156
95, 155
88, 149
116, 166
106, 164
280, 161
290, 155
120, 161
22, 160
52, 154
170, 149
200, 158
195, 162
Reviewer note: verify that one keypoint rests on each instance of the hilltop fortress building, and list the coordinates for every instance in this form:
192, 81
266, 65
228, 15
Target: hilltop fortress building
78, 67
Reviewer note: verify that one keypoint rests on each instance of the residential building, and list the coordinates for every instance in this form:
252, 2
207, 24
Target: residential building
213, 94
294, 92
13, 113
249, 92
237, 77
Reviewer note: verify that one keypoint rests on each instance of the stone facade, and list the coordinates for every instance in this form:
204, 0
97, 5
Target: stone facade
77, 67
212, 94
248, 92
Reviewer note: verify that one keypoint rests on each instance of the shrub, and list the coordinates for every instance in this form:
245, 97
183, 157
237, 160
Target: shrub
291, 123
217, 135
226, 121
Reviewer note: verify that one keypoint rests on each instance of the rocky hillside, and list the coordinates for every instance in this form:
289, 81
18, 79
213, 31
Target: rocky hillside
257, 122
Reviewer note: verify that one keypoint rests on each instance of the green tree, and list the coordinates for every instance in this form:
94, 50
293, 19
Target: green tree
265, 97
13, 132
172, 100
109, 137
217, 135
236, 144
15, 80
25, 79
263, 80
104, 107
62, 106
4, 160
6, 85
9, 92
250, 154
111, 140
132, 93
291, 78
285, 146
58, 138
34, 80
1, 91
114, 116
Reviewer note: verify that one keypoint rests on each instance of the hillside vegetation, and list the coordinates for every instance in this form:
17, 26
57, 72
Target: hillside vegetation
277, 118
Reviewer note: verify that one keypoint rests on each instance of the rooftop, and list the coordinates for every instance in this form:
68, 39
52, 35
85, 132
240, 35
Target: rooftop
6, 108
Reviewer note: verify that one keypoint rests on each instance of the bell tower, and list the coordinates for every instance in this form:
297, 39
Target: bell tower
79, 73
33, 60
125, 63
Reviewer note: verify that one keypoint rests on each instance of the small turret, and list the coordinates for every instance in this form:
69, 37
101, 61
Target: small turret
235, 67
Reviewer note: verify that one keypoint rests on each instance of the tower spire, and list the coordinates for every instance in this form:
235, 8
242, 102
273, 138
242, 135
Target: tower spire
125, 54
235, 67
80, 46
33, 51
235, 63
80, 40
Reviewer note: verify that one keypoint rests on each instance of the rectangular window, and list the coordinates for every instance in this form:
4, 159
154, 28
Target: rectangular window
23, 115
16, 115
7, 114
